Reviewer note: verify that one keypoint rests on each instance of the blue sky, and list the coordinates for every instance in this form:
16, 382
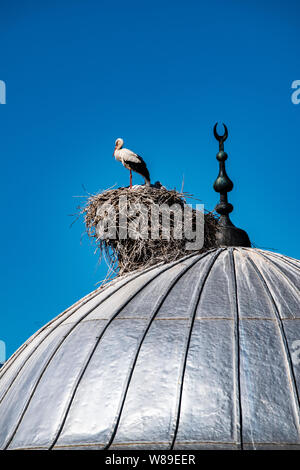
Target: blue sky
79, 74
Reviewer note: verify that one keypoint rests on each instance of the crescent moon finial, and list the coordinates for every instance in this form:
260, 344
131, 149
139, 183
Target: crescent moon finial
221, 138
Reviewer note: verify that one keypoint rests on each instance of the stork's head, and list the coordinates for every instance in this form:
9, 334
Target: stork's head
119, 144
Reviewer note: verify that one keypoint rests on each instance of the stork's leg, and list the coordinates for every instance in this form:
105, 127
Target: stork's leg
130, 178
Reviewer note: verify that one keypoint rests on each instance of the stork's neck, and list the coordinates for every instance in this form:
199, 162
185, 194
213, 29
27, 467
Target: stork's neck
117, 154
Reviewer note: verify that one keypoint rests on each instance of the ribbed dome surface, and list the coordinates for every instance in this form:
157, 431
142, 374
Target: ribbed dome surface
199, 353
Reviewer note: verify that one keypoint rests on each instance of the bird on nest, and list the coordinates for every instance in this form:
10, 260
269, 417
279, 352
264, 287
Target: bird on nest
131, 161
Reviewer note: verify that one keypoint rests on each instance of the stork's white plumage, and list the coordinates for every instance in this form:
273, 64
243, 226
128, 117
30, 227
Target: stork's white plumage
131, 161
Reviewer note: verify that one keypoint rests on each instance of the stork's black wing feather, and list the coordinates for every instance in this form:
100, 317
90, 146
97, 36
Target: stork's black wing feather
139, 167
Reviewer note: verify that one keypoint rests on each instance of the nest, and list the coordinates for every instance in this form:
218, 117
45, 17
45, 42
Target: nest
129, 228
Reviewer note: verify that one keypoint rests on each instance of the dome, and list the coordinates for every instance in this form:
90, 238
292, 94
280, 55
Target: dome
200, 353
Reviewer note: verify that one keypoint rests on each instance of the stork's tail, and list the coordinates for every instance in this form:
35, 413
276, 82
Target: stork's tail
147, 178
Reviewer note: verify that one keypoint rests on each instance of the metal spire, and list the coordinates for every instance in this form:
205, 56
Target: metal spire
228, 234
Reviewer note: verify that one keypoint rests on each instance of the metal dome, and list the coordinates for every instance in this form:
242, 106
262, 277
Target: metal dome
196, 354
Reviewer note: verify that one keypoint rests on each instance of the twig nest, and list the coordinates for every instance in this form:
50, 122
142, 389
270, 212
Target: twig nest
146, 225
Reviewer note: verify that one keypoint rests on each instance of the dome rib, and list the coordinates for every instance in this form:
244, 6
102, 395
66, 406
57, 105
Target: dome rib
280, 325
193, 307
237, 352
281, 273
285, 259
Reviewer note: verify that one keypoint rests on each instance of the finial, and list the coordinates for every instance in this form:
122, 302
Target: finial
223, 184
228, 234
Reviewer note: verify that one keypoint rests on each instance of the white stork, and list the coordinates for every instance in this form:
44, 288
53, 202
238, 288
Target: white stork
131, 161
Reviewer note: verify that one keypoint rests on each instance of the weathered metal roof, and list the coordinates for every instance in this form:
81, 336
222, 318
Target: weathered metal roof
199, 353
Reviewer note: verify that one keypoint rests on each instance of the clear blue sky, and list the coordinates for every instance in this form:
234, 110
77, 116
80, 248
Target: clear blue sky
79, 74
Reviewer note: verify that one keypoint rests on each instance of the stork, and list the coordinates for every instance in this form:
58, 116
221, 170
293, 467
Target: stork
131, 161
